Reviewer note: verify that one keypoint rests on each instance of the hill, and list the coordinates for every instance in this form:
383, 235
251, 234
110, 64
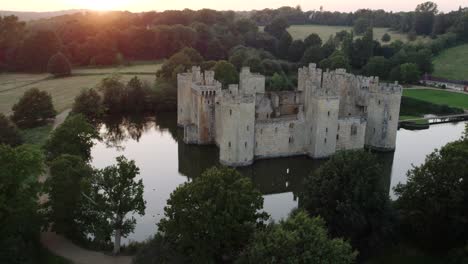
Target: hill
27, 16
452, 63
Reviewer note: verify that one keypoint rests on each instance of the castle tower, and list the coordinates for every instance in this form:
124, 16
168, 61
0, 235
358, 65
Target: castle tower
237, 132
184, 107
382, 116
251, 83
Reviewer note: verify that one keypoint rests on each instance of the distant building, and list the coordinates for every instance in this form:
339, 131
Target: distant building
329, 111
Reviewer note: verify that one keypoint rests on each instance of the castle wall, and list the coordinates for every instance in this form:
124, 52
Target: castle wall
251, 83
382, 117
323, 126
351, 133
184, 106
280, 138
237, 141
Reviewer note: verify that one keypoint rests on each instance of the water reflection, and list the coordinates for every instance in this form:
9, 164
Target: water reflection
166, 162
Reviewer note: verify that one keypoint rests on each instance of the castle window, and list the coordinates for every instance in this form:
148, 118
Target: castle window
291, 125
337, 137
256, 115
326, 130
328, 113
291, 140
247, 128
390, 118
338, 127
230, 111
229, 144
374, 130
379, 101
276, 130
325, 140
256, 144
245, 144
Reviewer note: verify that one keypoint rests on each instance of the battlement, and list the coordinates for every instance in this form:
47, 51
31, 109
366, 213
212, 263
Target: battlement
390, 88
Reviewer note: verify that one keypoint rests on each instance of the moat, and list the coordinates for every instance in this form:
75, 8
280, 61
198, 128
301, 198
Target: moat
165, 162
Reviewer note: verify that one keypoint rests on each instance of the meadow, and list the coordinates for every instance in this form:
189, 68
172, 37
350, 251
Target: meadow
440, 97
452, 63
64, 90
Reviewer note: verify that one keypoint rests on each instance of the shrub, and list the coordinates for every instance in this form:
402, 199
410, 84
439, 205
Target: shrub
33, 108
59, 65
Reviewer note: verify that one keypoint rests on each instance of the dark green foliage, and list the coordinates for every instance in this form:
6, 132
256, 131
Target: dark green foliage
89, 104
114, 95
433, 203
296, 50
75, 137
283, 45
299, 239
409, 73
361, 25
178, 63
313, 54
34, 108
313, 40
271, 67
207, 65
377, 66
255, 64
386, 37
225, 73
279, 82
213, 217
336, 61
36, 50
19, 219
349, 193
424, 18
415, 107
9, 133
136, 96
461, 27
69, 177
277, 27
362, 49
59, 66
115, 194
246, 25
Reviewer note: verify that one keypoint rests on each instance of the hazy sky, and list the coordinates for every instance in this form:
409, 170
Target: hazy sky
146, 5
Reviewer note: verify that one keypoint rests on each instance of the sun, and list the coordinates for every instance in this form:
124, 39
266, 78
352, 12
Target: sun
102, 5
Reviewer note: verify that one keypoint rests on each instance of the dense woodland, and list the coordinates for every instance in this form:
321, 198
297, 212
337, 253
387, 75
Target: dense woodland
90, 38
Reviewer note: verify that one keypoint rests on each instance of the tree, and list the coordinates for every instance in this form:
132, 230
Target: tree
75, 137
33, 108
277, 27
9, 134
348, 192
59, 65
19, 218
114, 95
283, 45
278, 82
36, 51
213, 217
377, 66
424, 18
361, 25
299, 239
116, 193
89, 104
296, 50
433, 202
313, 40
69, 177
409, 73
225, 72
137, 94
255, 64
386, 37
336, 61
313, 54
179, 62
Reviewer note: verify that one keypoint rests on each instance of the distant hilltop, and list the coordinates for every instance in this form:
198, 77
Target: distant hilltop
27, 16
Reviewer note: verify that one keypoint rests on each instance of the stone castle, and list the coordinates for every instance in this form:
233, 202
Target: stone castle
328, 111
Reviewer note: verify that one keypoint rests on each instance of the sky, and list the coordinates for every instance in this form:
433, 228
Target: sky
158, 5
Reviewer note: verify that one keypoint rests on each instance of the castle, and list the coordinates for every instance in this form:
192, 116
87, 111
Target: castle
327, 112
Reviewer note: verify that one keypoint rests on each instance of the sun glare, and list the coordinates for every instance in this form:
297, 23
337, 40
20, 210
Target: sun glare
102, 5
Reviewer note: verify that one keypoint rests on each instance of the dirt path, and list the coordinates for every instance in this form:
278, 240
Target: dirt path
63, 247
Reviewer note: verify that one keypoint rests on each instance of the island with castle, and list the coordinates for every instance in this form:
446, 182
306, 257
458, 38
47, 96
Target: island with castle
327, 112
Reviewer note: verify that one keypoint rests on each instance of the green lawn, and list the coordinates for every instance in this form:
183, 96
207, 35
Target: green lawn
452, 63
439, 97
302, 31
64, 90
418, 121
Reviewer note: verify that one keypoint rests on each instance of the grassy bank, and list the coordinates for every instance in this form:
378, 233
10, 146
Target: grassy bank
452, 63
439, 97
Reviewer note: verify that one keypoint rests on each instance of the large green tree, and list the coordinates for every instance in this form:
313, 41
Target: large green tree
19, 219
37, 49
89, 103
33, 108
115, 193
59, 66
69, 177
433, 203
75, 137
137, 96
226, 73
424, 18
298, 239
210, 219
348, 192
9, 133
377, 66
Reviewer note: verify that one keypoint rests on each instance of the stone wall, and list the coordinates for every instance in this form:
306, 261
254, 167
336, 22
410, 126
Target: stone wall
323, 126
351, 133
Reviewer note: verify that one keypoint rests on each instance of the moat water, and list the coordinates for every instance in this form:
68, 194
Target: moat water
165, 162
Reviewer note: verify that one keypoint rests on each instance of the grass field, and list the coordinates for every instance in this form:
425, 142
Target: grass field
302, 31
452, 63
64, 90
439, 97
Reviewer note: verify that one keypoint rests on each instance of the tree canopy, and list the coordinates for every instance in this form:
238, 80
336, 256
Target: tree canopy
213, 217
9, 133
59, 66
89, 104
226, 73
33, 108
